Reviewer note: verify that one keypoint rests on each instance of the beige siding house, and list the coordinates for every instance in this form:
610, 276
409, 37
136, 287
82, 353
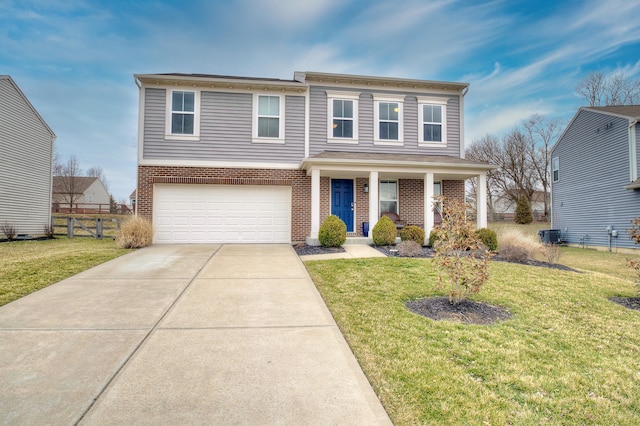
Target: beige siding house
26, 147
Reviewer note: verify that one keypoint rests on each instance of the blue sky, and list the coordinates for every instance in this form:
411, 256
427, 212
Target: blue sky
75, 59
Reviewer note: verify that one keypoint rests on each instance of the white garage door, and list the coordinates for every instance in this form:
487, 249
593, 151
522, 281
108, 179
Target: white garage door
221, 214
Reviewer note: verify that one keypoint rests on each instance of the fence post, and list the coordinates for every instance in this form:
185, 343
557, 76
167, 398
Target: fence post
98, 228
70, 227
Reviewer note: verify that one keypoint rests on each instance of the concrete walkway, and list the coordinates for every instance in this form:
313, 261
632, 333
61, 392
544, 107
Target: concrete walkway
182, 334
350, 251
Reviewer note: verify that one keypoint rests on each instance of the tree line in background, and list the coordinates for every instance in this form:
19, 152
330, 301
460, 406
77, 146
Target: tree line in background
523, 156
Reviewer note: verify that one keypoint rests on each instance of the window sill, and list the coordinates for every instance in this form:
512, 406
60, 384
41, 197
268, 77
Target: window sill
388, 142
268, 140
182, 137
345, 140
432, 144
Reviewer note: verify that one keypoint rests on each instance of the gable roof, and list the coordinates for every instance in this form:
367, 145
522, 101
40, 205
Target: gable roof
82, 183
629, 111
26, 100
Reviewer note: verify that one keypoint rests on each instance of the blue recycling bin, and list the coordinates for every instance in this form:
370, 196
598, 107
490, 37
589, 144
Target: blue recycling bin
365, 229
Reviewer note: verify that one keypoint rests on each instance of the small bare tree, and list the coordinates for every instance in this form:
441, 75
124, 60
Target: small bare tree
69, 184
96, 171
460, 257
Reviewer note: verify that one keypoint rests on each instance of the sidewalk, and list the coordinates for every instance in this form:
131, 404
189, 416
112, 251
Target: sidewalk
232, 334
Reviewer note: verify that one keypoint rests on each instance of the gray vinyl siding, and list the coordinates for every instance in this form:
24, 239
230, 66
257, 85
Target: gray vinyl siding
26, 145
318, 124
226, 121
593, 170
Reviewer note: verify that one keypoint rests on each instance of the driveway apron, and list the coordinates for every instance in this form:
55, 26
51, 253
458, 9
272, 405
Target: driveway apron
182, 334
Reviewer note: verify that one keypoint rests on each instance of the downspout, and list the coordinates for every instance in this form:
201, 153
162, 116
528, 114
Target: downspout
462, 145
140, 133
633, 160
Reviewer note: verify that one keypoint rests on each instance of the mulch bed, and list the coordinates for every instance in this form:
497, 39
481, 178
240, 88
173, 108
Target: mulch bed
304, 250
466, 312
627, 302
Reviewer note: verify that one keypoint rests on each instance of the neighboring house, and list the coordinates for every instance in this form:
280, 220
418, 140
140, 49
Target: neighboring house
594, 171
132, 200
236, 159
26, 153
505, 208
81, 193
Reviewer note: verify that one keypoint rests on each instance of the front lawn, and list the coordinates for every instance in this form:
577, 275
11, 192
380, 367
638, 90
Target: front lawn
28, 266
567, 356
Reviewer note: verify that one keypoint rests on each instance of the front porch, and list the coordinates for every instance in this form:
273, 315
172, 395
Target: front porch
359, 188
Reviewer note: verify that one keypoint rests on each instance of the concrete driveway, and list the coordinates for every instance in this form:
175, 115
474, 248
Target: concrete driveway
182, 334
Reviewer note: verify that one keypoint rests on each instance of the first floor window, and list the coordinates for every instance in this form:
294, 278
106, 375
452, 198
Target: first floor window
268, 116
388, 196
183, 113
437, 191
555, 167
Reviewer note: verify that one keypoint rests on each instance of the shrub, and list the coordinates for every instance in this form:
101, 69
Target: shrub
458, 259
384, 233
412, 233
523, 213
434, 236
410, 248
515, 246
551, 252
9, 231
333, 232
488, 237
136, 232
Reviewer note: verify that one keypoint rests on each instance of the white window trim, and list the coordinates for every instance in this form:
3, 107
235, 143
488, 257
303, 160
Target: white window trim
397, 200
428, 100
555, 166
196, 112
399, 99
346, 96
255, 137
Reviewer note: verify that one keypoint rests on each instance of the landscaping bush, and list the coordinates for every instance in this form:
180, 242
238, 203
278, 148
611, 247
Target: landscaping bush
384, 233
136, 232
515, 246
410, 248
523, 213
9, 231
434, 236
489, 238
551, 252
461, 265
412, 233
333, 232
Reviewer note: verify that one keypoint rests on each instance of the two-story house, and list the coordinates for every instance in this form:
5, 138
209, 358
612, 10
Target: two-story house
235, 159
595, 190
26, 152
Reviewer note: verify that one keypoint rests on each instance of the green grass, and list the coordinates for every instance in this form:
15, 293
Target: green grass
28, 266
567, 356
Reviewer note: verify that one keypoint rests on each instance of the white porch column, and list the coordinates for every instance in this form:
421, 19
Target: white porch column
374, 214
429, 220
481, 200
315, 203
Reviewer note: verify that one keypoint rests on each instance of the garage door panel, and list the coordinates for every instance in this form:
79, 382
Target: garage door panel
222, 213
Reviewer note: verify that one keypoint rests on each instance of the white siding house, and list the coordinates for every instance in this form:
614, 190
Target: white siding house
26, 149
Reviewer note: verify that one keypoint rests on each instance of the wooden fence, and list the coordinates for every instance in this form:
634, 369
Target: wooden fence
92, 227
91, 208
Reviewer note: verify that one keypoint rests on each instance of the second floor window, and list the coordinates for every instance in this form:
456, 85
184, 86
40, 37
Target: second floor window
342, 118
431, 123
269, 117
183, 112
432, 113
388, 124
389, 120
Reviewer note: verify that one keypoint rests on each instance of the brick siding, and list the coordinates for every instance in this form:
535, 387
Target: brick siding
410, 191
298, 180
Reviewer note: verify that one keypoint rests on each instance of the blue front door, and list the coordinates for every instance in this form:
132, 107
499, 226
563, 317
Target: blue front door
342, 201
